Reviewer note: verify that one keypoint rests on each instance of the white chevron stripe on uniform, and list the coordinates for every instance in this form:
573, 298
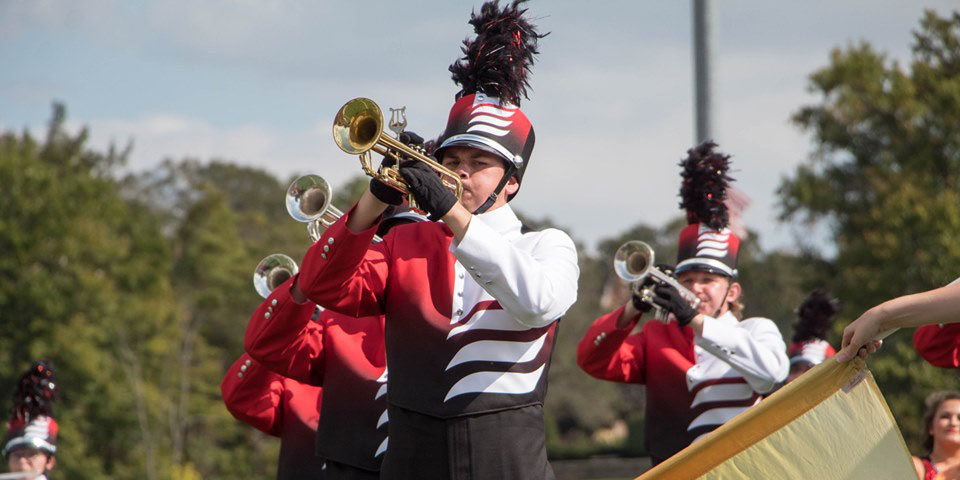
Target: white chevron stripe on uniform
496, 382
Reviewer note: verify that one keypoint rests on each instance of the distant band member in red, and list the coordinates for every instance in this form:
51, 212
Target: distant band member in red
706, 365
472, 303
30, 445
343, 354
809, 347
281, 407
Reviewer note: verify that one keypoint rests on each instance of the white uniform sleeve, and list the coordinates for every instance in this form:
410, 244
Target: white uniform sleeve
753, 347
534, 285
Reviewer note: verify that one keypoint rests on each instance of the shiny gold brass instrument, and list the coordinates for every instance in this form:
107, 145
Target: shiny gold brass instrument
358, 129
633, 262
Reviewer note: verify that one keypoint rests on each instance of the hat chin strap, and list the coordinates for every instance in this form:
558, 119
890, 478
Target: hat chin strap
511, 168
716, 313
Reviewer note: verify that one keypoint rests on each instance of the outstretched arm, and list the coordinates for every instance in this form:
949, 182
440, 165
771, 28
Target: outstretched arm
862, 336
753, 347
342, 271
282, 337
534, 286
608, 351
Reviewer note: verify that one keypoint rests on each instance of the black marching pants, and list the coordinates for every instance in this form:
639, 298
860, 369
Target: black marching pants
342, 471
508, 444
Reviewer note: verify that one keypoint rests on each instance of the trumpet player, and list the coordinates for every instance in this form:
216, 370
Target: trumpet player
705, 365
317, 379
278, 406
472, 303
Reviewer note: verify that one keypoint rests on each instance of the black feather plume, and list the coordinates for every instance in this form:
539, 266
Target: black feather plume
816, 315
35, 393
497, 62
704, 186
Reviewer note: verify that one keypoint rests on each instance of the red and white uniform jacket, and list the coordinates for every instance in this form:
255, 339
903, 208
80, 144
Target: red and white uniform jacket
343, 354
277, 406
939, 344
815, 351
694, 383
469, 327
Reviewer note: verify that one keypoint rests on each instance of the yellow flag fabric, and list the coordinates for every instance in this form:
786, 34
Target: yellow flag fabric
830, 423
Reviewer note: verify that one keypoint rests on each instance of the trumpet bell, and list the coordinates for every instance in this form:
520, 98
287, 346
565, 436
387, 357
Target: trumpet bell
633, 260
308, 197
358, 125
272, 271
358, 130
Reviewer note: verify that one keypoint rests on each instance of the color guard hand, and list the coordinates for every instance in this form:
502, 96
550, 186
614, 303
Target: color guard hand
860, 338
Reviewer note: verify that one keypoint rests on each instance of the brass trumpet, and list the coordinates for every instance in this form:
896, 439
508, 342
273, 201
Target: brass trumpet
308, 200
272, 271
633, 262
358, 129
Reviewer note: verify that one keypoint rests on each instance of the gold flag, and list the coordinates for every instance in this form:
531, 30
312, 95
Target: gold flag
830, 423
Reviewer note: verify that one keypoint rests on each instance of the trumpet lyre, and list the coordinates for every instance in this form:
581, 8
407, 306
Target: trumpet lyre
634, 262
272, 271
358, 129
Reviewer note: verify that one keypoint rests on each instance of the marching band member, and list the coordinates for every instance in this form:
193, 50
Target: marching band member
31, 440
343, 354
809, 347
278, 406
706, 365
470, 304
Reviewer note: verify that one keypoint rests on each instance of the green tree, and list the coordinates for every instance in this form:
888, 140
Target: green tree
139, 292
83, 282
884, 178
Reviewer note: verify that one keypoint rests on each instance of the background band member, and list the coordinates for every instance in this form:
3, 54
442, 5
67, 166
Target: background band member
278, 406
471, 304
343, 354
941, 438
809, 347
31, 441
705, 366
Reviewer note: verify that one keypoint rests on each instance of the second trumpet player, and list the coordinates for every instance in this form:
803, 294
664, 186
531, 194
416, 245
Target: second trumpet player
634, 263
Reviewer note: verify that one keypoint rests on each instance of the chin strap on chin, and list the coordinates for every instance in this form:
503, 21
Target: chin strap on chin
496, 192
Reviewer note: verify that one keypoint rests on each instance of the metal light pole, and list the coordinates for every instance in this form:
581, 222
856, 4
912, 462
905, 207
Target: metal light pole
704, 41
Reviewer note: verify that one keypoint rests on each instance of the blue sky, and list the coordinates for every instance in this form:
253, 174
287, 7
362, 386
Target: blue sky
258, 82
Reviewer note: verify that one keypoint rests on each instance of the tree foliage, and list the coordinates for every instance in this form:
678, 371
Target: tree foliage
884, 178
